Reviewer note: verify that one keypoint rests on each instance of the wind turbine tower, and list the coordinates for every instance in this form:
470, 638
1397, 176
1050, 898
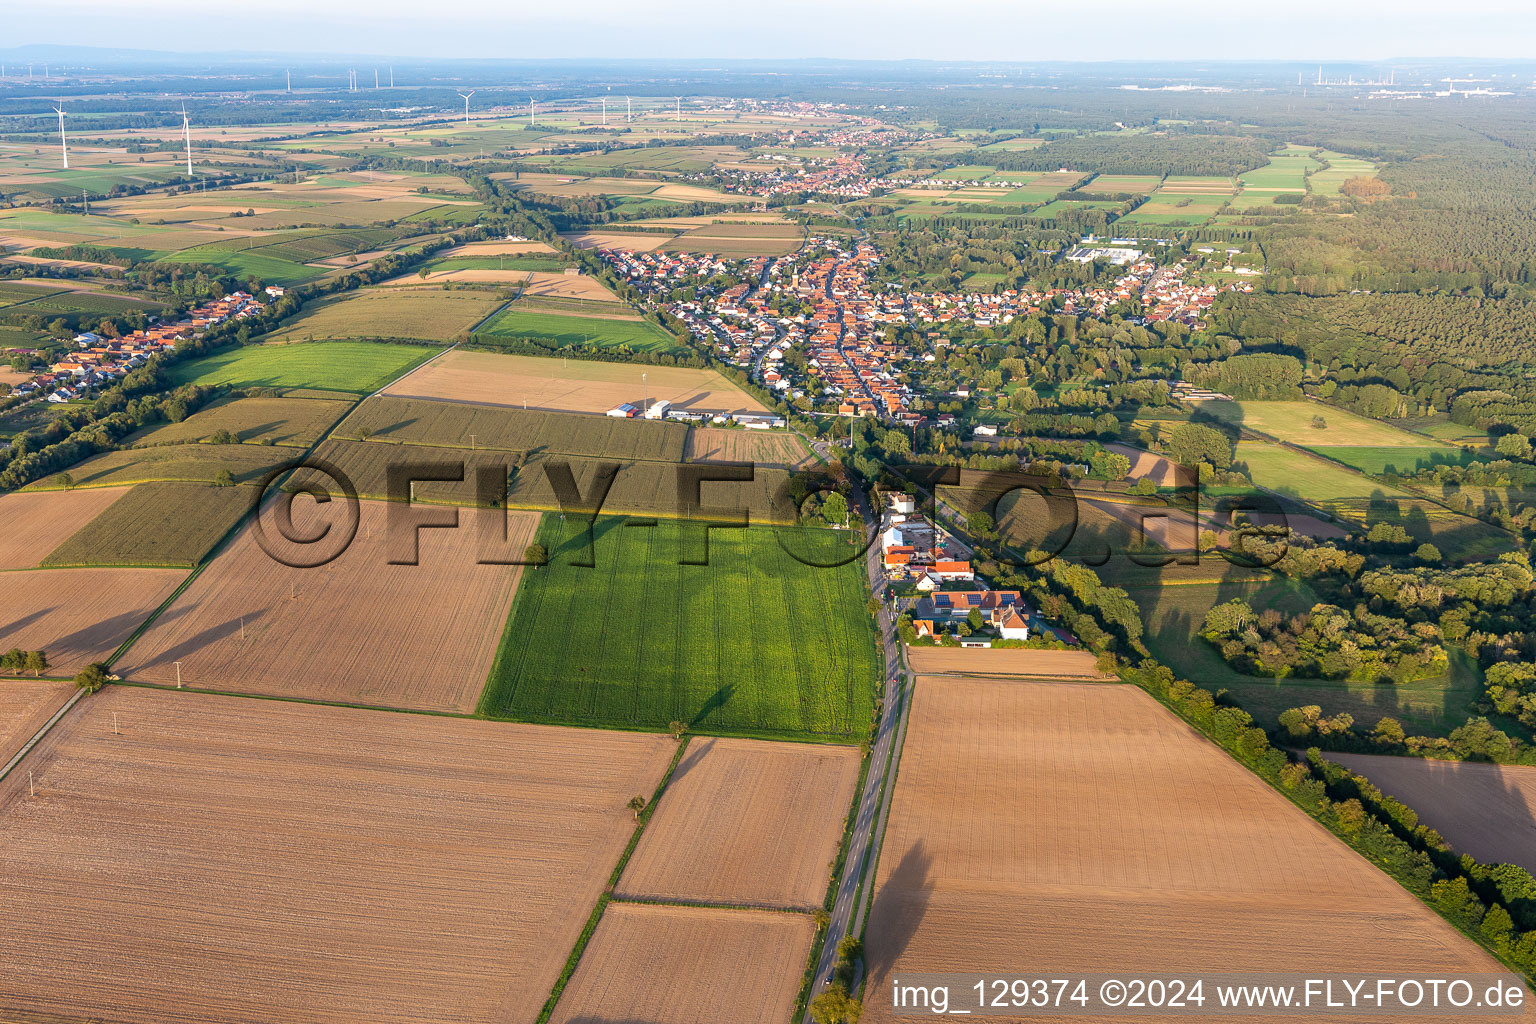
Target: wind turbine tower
629, 108
63, 146
605, 110
679, 108
466, 96
391, 76
186, 127
375, 78
530, 111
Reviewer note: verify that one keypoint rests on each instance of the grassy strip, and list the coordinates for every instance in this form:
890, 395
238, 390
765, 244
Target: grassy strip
607, 895
646, 901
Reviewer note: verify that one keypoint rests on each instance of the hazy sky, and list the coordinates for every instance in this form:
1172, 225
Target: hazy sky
984, 29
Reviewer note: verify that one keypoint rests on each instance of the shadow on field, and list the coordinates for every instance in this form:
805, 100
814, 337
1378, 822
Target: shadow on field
721, 698
900, 906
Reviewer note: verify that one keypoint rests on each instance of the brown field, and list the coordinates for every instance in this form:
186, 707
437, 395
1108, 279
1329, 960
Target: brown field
243, 861
722, 444
634, 241
1487, 810
34, 523
1006, 661
78, 615
496, 249
1086, 821
702, 965
567, 286
25, 705
568, 385
358, 630
1160, 469
746, 823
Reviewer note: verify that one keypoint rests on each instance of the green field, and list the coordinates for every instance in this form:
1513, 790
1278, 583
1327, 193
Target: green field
578, 331
548, 264
421, 421
1298, 475
200, 463
752, 643
358, 367
1173, 616
1176, 209
164, 524
1339, 170
1460, 538
253, 262
295, 422
1380, 459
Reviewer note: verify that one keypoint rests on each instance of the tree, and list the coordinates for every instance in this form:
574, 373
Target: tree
37, 662
536, 555
835, 509
92, 678
980, 522
874, 604
974, 619
1514, 445
836, 1006
1427, 553
66, 481
224, 478
677, 729
1194, 443
636, 804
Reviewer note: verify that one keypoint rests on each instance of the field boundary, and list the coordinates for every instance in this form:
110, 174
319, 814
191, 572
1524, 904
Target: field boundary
606, 897
38, 736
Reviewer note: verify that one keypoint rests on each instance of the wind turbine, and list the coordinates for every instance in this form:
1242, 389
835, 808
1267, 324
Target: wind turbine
391, 76
290, 79
605, 110
629, 108
466, 96
530, 111
63, 146
186, 127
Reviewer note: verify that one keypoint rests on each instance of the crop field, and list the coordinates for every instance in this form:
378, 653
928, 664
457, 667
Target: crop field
25, 706
1487, 810
166, 524
78, 616
200, 463
1173, 615
1339, 170
1132, 844
482, 847
358, 630
358, 367
1460, 538
416, 314
1293, 473
285, 422
1293, 422
1131, 183
745, 823
567, 331
656, 489
1194, 185
657, 963
1389, 459
1176, 209
634, 241
739, 239
570, 385
416, 421
249, 262
718, 444
754, 642
1006, 661
1286, 171
32, 522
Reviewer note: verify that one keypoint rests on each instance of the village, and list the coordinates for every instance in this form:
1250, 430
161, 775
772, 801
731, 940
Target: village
101, 361
813, 327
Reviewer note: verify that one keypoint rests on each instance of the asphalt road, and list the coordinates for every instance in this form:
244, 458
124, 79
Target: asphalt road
869, 823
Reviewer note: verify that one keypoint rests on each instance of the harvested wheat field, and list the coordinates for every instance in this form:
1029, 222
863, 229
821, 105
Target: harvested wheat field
358, 630
502, 248
701, 965
567, 286
746, 823
1087, 821
1487, 810
79, 616
1160, 469
1025, 662
723, 445
569, 385
25, 706
33, 523
241, 861
634, 241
